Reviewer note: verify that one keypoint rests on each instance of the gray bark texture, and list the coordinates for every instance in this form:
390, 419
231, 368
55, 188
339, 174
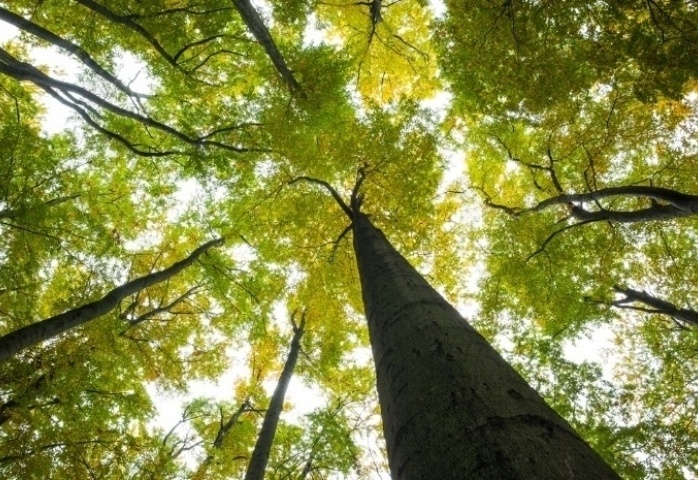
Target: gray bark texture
262, 448
29, 335
452, 407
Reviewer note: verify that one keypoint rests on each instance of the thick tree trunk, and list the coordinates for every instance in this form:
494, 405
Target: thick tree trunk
32, 334
260, 32
260, 454
452, 407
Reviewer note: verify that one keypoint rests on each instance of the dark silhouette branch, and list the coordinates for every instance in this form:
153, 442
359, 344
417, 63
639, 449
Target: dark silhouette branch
337, 197
550, 237
48, 36
129, 21
133, 322
224, 428
336, 243
68, 93
684, 317
488, 201
676, 204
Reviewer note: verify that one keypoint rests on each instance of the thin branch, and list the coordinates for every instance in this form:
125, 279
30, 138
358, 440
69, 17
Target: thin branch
488, 201
63, 92
335, 246
348, 211
541, 249
161, 309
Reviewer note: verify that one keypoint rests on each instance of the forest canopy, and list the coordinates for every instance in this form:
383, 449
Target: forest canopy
172, 175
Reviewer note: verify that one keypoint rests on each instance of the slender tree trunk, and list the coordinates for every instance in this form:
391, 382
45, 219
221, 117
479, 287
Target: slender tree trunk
261, 33
223, 431
260, 454
452, 407
32, 334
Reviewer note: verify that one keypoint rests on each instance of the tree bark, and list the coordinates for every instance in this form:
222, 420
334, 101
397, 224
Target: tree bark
24, 337
452, 407
260, 454
261, 33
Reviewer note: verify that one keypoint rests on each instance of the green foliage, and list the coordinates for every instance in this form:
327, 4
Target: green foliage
544, 96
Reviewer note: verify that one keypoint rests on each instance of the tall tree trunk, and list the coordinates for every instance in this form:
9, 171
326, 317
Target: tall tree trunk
32, 334
261, 33
260, 454
452, 407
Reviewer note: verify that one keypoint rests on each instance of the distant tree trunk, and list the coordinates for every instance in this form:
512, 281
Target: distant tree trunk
260, 454
683, 317
308, 467
452, 407
223, 431
261, 33
32, 334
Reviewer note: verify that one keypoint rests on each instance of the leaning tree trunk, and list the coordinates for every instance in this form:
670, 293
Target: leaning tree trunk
452, 407
261, 33
260, 454
32, 334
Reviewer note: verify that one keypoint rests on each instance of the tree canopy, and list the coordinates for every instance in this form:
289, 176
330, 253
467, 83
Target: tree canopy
534, 160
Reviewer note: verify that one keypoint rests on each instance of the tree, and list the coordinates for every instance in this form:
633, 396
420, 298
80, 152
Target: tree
260, 454
451, 406
548, 126
182, 124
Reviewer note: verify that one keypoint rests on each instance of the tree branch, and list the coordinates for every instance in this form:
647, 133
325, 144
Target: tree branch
348, 211
34, 333
76, 50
